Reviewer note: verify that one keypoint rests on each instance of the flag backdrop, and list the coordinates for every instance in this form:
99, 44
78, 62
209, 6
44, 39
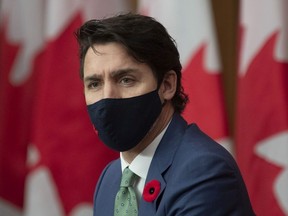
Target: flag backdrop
50, 158
190, 23
262, 110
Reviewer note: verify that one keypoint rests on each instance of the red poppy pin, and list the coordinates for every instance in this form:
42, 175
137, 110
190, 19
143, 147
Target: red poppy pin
151, 190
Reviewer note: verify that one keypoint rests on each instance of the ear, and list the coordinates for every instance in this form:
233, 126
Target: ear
168, 86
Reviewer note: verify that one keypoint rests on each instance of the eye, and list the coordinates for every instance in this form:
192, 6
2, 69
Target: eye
93, 85
127, 80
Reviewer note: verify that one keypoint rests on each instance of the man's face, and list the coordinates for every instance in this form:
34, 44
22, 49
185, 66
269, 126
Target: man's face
112, 73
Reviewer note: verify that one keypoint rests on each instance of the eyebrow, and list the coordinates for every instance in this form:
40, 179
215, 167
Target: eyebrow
122, 72
116, 73
92, 77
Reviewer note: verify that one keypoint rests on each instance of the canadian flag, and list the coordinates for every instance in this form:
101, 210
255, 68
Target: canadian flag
190, 23
47, 143
262, 109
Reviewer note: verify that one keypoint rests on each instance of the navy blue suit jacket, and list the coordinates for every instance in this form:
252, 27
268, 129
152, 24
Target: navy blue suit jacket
197, 175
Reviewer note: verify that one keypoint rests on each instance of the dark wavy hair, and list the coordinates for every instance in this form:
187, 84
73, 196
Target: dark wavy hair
145, 39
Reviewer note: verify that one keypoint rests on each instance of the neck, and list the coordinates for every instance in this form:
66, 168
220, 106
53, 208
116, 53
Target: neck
161, 122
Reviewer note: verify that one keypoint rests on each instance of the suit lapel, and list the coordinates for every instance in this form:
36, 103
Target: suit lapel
159, 168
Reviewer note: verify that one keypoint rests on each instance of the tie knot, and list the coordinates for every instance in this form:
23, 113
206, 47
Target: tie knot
128, 178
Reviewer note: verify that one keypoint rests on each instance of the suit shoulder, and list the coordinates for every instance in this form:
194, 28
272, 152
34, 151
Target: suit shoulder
112, 168
204, 169
194, 137
198, 146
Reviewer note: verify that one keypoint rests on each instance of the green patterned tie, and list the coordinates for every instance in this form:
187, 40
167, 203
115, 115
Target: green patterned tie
126, 202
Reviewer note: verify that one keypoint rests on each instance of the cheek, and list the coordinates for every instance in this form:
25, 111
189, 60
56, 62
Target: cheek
137, 91
90, 98
87, 99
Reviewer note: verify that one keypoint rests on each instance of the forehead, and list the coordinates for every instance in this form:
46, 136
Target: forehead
107, 54
110, 57
107, 50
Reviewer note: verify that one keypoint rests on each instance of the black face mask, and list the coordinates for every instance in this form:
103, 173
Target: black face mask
123, 123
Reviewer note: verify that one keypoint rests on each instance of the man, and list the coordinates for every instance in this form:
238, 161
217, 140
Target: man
132, 79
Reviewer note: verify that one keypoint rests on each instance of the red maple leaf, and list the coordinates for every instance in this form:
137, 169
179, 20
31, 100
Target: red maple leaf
15, 124
262, 112
206, 106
